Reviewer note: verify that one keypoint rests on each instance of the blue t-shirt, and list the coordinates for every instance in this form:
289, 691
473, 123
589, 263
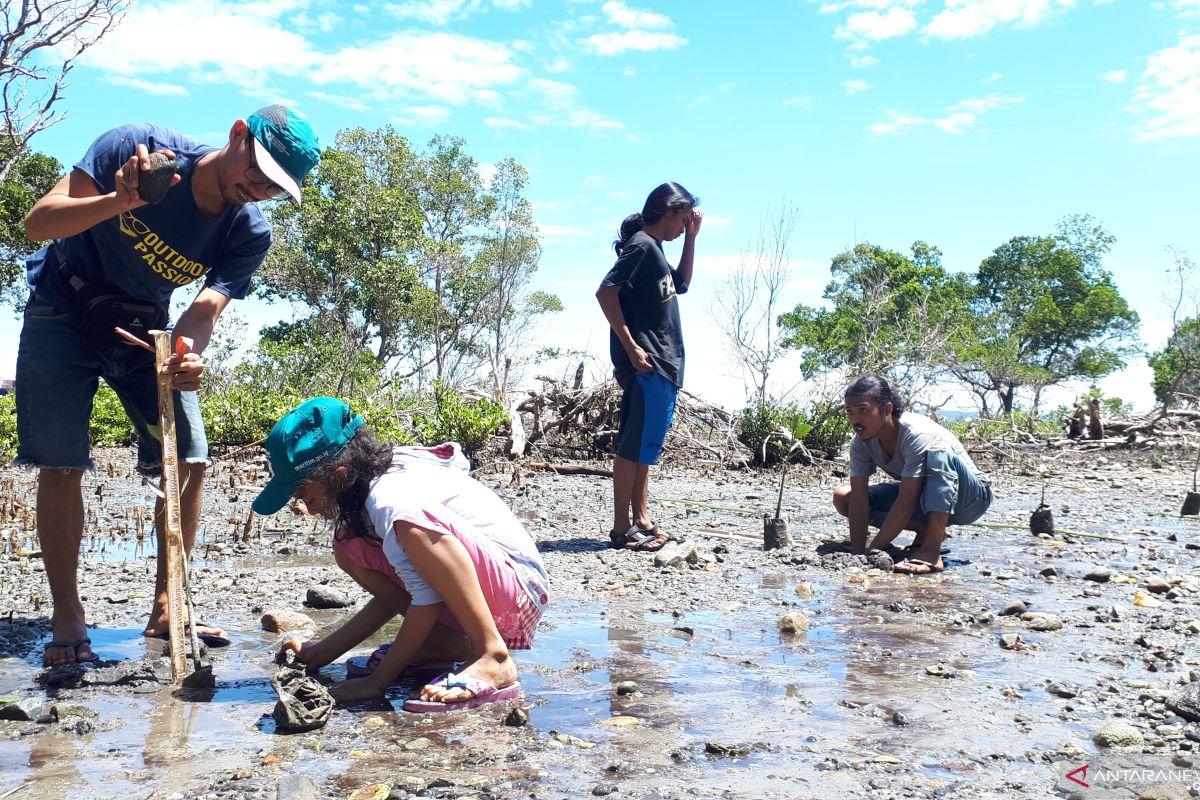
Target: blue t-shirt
150, 251
650, 303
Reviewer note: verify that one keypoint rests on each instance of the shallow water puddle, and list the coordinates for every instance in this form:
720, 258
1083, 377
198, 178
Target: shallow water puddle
778, 711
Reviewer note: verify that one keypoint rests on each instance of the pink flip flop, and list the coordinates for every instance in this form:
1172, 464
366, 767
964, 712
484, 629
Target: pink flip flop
484, 693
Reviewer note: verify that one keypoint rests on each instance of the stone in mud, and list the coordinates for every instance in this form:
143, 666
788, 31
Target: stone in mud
1011, 641
1014, 609
1062, 689
726, 750
1165, 791
303, 705
1157, 586
792, 624
626, 687
1118, 733
516, 718
1039, 621
1049, 572
62, 710
1187, 703
326, 597
1098, 575
153, 184
900, 719
281, 620
23, 709
296, 787
673, 554
604, 789
879, 559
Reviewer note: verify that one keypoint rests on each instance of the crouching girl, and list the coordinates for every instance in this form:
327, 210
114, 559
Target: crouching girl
427, 541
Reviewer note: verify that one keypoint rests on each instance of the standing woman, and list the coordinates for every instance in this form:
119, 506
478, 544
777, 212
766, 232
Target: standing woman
640, 299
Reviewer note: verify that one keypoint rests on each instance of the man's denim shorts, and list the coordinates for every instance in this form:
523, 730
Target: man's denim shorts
58, 372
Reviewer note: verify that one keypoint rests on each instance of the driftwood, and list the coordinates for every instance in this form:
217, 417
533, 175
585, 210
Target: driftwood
564, 424
568, 469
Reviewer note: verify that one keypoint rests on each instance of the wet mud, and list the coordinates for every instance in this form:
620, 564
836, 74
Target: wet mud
668, 676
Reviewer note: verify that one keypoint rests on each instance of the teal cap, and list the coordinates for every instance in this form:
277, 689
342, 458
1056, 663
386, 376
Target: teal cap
285, 146
310, 435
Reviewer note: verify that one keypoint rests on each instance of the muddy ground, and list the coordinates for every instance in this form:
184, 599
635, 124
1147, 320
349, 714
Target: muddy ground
900, 687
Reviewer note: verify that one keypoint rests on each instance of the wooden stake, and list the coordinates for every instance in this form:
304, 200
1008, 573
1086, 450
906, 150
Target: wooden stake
174, 530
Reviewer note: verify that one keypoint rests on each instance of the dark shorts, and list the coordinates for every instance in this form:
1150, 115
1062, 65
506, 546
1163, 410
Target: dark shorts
58, 372
647, 408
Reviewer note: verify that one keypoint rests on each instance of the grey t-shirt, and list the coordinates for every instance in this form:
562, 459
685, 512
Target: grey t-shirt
918, 435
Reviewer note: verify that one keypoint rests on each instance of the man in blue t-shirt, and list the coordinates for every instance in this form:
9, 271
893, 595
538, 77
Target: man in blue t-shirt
114, 262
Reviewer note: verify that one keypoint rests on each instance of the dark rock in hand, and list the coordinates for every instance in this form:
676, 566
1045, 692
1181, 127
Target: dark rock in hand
154, 183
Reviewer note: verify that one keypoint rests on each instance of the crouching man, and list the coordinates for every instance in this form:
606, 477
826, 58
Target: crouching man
935, 482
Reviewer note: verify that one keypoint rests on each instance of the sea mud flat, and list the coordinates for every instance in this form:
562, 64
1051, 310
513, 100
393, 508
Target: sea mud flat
719, 670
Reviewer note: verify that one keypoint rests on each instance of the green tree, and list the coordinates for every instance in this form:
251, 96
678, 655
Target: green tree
889, 313
511, 253
347, 253
1177, 366
39, 43
30, 177
1045, 311
454, 209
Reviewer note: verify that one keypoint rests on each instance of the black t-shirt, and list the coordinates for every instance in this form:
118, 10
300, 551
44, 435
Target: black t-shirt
649, 289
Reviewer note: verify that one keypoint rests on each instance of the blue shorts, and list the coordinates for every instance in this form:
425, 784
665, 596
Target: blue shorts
58, 372
950, 487
647, 408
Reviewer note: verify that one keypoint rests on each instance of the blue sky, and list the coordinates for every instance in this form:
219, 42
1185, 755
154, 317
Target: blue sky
960, 122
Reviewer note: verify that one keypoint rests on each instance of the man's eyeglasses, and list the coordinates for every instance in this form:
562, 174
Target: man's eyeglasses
257, 178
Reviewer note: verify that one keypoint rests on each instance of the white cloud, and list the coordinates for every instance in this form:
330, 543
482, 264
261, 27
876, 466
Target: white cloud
564, 231
248, 46
225, 42
611, 44
149, 87
622, 15
804, 101
713, 221
555, 94
339, 100
1186, 8
876, 26
701, 100
500, 123
957, 119
995, 76
1167, 97
595, 182
863, 62
435, 12
422, 116
965, 19
439, 12
629, 72
857, 85
444, 66
486, 171
1114, 76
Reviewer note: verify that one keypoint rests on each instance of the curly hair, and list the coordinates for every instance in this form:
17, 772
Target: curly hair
364, 458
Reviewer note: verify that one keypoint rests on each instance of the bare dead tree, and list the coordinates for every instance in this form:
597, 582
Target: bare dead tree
749, 303
41, 41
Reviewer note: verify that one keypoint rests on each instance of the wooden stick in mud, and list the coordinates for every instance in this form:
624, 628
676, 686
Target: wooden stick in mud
174, 530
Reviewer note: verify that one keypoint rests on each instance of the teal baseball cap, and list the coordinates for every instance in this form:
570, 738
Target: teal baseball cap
309, 435
285, 146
